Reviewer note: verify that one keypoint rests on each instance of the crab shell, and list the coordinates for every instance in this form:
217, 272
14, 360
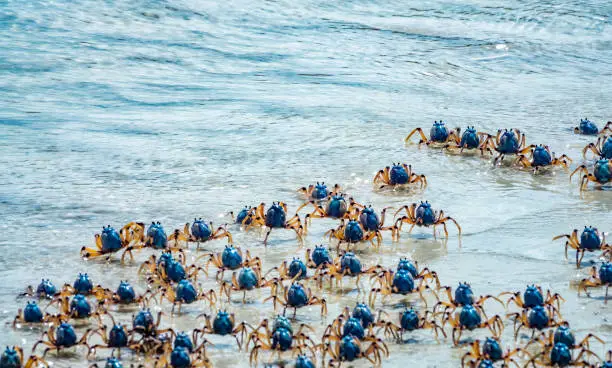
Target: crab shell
353, 327
303, 361
111, 241
336, 206
532, 297
364, 314
222, 324
276, 216
320, 255
464, 294
231, 258
409, 320
492, 349
563, 334
403, 281
438, 132
46, 289
117, 337
32, 313
353, 232
296, 296
247, 278
65, 335
83, 284
81, 306
186, 292
182, 340
157, 235
350, 262
282, 339
605, 273
469, 317
200, 230
538, 317
470, 138
349, 350
560, 355
297, 267
508, 143
126, 292
179, 358
369, 219
10, 358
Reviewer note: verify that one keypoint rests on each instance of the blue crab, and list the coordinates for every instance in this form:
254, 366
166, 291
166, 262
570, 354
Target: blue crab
603, 277
533, 296
601, 148
13, 358
439, 135
46, 289
401, 282
410, 320
319, 257
370, 221
244, 216
590, 240
282, 338
335, 207
200, 232
587, 127
31, 314
181, 357
560, 355
509, 142
541, 156
423, 215
117, 338
223, 324
352, 232
347, 264
319, 191
186, 292
469, 318
297, 296
248, 278
398, 175
231, 259
111, 241
471, 140
276, 218
536, 318
490, 350
349, 348
601, 175
61, 336
296, 270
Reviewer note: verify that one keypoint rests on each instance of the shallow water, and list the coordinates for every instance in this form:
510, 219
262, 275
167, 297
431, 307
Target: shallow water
146, 110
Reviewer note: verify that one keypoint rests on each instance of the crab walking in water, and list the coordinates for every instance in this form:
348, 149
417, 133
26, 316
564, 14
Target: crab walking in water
276, 218
603, 277
601, 174
587, 127
601, 148
509, 142
471, 140
541, 156
423, 215
399, 175
590, 241
439, 135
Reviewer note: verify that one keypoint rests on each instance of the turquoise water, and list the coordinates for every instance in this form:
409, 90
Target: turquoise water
146, 110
